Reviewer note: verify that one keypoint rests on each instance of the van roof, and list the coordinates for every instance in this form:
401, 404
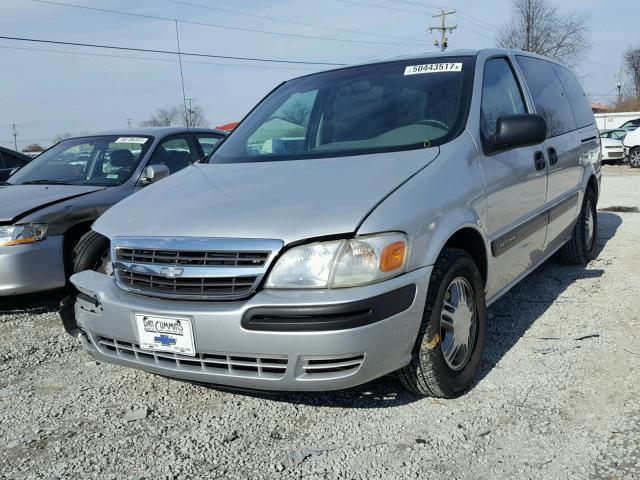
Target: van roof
447, 54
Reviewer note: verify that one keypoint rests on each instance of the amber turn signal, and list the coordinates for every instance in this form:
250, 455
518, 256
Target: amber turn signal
392, 257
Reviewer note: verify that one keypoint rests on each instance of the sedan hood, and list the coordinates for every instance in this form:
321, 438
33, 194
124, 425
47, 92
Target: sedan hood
17, 201
285, 200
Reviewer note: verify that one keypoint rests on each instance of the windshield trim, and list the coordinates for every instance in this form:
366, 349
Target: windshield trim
456, 130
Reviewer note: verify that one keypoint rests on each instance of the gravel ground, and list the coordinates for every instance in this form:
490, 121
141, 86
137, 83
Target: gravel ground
557, 395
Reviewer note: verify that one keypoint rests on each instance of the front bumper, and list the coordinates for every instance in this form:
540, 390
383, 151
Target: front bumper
32, 267
236, 354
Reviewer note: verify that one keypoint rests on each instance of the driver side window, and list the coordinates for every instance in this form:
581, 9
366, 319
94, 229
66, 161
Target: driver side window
175, 153
500, 95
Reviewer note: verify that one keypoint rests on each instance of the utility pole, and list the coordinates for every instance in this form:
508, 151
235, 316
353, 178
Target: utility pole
129, 122
443, 29
619, 85
15, 138
190, 112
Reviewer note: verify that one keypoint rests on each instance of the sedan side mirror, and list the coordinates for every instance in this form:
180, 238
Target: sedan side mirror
513, 131
154, 173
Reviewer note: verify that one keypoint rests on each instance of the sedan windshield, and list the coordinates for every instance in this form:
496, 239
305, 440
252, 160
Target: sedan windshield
392, 106
107, 160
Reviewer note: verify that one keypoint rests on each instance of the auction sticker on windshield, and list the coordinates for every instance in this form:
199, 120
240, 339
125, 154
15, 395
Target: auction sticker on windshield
139, 140
165, 334
433, 68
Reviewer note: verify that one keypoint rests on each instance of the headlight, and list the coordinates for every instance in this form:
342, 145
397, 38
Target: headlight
341, 263
20, 234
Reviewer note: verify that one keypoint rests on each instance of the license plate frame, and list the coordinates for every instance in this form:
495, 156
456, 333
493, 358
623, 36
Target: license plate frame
162, 333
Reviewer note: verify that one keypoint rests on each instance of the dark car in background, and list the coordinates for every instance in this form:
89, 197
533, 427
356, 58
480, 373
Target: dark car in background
9, 161
49, 204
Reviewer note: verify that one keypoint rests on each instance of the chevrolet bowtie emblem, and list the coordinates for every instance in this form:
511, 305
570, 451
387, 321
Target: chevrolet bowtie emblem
172, 271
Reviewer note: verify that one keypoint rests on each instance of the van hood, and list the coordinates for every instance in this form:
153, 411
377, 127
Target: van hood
284, 200
18, 201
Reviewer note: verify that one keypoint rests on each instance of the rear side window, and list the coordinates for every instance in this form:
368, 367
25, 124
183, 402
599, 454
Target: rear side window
578, 100
548, 95
500, 94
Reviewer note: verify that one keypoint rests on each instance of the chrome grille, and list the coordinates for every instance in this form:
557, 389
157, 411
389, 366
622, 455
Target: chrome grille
192, 268
187, 286
237, 365
175, 257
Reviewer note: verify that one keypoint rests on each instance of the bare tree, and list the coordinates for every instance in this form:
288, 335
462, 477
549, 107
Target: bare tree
34, 147
297, 113
193, 116
537, 26
164, 117
632, 63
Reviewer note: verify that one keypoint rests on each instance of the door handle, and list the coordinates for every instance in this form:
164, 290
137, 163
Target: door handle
538, 160
553, 156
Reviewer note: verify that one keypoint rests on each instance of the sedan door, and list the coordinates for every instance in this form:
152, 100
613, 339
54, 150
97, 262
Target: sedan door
516, 182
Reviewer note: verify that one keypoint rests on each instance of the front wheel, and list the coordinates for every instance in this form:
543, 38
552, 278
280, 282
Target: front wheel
92, 252
450, 341
634, 157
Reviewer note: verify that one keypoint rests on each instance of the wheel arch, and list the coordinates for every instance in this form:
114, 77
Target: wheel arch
472, 241
71, 237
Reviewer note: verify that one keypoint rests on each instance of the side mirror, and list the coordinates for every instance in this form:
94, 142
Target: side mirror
513, 131
154, 173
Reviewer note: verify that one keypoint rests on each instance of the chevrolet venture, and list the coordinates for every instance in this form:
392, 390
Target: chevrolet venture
357, 222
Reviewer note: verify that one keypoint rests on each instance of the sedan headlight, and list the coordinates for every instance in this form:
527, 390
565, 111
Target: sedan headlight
20, 234
341, 263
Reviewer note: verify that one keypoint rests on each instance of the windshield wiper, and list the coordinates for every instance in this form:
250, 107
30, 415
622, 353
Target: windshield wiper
46, 182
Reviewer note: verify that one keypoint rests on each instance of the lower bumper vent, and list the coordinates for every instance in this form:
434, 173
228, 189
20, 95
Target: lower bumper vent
332, 366
273, 367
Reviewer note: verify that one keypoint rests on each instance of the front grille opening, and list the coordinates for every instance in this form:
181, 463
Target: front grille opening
204, 258
219, 363
196, 287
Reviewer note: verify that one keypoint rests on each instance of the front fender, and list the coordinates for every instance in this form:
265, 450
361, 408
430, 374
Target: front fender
448, 195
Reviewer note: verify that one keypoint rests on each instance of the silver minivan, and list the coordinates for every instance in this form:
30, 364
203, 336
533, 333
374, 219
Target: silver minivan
357, 222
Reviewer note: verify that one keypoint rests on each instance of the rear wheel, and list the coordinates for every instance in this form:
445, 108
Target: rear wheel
92, 252
634, 158
582, 247
449, 346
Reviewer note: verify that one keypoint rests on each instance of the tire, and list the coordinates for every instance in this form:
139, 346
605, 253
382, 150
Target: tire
582, 247
430, 373
92, 252
634, 157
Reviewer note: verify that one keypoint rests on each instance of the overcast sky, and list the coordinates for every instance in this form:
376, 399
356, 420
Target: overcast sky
47, 93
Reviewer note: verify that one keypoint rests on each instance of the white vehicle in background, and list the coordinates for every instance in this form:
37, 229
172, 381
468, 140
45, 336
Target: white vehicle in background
612, 148
631, 144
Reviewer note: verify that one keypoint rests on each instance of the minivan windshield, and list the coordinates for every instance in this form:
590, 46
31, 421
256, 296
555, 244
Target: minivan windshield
104, 160
391, 106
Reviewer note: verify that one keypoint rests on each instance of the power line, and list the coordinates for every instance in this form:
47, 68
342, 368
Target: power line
283, 20
169, 52
151, 59
353, 2
226, 27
